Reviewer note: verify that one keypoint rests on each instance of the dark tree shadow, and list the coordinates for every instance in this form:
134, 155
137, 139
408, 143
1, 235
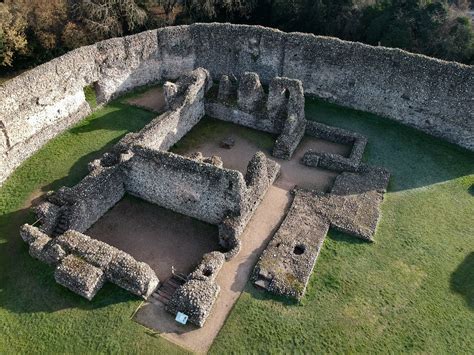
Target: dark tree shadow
471, 190
462, 280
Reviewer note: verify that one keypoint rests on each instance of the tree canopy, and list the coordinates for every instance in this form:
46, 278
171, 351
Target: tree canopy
33, 31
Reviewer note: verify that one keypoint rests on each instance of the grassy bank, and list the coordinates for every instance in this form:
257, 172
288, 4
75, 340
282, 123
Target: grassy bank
36, 314
411, 290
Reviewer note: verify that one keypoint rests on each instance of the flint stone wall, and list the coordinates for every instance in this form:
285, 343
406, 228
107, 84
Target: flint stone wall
83, 264
198, 295
280, 112
338, 135
261, 174
184, 185
87, 201
431, 95
352, 206
185, 111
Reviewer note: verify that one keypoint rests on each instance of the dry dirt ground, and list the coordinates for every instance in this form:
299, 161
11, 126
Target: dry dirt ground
292, 171
152, 100
155, 235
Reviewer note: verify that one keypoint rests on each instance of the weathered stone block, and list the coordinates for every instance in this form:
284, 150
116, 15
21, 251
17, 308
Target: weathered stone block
250, 92
79, 276
132, 275
196, 299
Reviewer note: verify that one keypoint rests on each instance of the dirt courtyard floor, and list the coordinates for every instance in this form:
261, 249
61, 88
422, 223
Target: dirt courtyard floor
157, 236
293, 172
152, 100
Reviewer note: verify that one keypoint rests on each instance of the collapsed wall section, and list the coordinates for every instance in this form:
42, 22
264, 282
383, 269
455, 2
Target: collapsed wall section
83, 264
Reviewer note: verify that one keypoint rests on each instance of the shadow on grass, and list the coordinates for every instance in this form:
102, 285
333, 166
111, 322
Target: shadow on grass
27, 285
120, 118
462, 280
263, 295
471, 190
344, 238
116, 120
414, 158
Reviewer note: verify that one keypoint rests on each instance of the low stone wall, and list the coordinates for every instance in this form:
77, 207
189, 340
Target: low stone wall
280, 112
337, 135
195, 186
261, 174
186, 108
352, 206
287, 262
83, 264
80, 206
198, 295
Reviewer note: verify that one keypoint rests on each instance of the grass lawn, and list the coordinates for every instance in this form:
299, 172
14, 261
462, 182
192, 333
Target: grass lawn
411, 290
36, 314
208, 128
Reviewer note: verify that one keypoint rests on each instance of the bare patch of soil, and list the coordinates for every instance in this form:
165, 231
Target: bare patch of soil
152, 100
232, 279
157, 236
293, 172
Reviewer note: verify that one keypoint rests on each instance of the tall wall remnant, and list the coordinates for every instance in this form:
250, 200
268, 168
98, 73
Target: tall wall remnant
280, 112
432, 95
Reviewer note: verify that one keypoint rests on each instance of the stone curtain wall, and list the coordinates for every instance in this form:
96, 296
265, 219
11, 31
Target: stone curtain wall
434, 96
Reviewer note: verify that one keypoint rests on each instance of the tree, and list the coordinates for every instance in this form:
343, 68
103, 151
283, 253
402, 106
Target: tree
12, 34
430, 27
222, 10
74, 36
108, 18
46, 20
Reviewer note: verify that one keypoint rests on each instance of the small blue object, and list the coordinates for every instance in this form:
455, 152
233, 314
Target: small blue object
181, 318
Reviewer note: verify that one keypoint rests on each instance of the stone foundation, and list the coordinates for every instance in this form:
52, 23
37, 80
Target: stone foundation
140, 165
352, 206
337, 135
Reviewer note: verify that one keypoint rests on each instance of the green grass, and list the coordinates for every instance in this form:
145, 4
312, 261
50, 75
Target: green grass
410, 291
36, 314
208, 128
91, 97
